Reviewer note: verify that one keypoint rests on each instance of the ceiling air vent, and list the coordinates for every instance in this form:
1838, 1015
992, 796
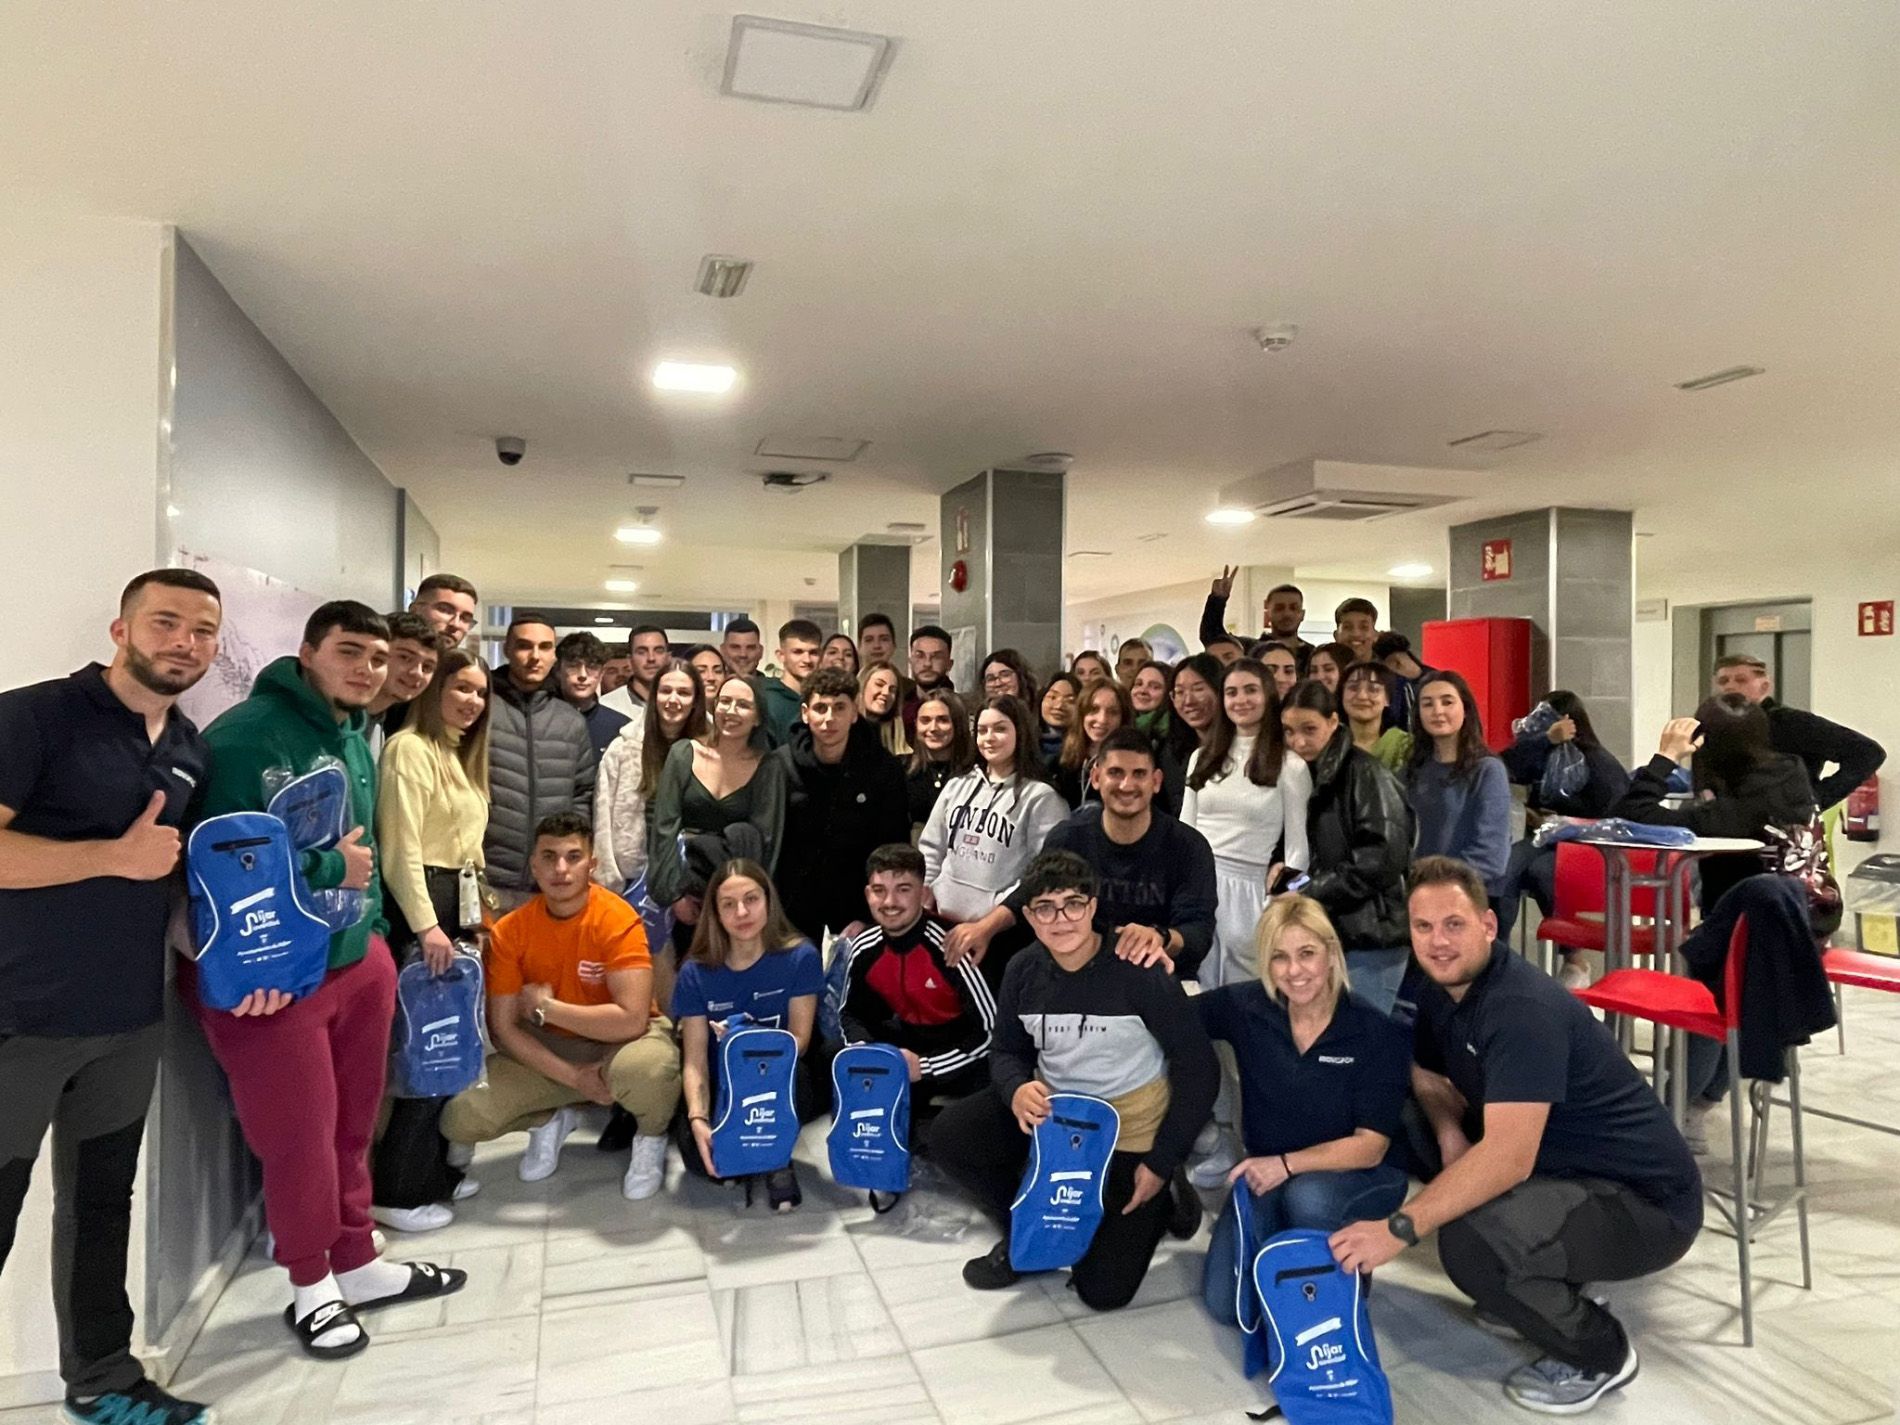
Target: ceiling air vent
722, 276
790, 482
1495, 440
1333, 490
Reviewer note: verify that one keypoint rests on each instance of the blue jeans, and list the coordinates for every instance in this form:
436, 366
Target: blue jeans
1378, 974
1326, 1201
1532, 871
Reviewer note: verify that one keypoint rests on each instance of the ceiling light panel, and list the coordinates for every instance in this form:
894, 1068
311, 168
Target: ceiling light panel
784, 62
656, 482
691, 376
1495, 440
1230, 515
1409, 571
621, 586
838, 449
638, 534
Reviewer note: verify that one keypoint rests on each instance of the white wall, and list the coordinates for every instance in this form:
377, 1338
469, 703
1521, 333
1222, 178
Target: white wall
79, 383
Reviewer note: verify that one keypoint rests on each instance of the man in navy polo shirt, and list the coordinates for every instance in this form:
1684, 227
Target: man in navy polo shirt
1560, 1167
97, 773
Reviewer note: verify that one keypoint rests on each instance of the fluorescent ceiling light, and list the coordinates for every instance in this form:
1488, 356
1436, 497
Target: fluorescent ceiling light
784, 62
1409, 571
690, 376
1229, 514
1720, 378
621, 586
656, 482
603, 618
638, 534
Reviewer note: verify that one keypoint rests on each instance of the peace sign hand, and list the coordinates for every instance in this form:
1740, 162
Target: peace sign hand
1224, 584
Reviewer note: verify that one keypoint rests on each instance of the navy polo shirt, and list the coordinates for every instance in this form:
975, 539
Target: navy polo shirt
76, 765
1354, 1076
1520, 1037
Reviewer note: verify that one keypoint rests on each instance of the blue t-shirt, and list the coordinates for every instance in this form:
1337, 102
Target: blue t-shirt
763, 990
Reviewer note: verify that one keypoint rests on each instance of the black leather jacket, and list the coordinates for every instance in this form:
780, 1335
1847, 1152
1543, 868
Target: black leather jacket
1359, 829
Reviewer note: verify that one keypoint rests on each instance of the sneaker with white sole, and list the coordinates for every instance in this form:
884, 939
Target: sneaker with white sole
1210, 1170
464, 1190
543, 1153
1695, 1126
646, 1167
1553, 1387
430, 1217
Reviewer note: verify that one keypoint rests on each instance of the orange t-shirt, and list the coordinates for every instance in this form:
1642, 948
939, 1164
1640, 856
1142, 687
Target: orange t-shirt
573, 956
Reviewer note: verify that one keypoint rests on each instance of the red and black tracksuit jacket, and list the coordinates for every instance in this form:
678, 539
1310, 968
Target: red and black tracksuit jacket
899, 991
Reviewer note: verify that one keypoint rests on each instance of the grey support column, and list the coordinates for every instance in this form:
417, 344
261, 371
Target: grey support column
875, 579
1572, 573
1005, 528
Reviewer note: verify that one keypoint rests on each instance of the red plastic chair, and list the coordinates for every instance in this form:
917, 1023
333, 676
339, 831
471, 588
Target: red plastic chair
1582, 890
1676, 1002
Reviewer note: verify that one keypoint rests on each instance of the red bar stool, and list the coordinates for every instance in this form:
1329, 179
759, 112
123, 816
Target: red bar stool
1582, 895
1676, 1002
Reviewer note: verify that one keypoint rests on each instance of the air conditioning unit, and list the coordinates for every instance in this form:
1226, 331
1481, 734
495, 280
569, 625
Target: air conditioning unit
1334, 490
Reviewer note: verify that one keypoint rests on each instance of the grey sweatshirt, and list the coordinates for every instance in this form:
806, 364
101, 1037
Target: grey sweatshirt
981, 836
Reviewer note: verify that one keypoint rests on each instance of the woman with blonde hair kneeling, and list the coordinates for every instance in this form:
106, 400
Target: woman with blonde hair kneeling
1322, 1080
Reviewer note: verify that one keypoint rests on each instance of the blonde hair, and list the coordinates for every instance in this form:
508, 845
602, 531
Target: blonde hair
1300, 913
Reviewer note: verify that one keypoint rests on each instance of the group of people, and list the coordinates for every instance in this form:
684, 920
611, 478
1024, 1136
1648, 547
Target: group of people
1252, 899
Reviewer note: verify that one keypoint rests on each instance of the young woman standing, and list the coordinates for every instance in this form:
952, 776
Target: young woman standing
881, 702
1193, 701
945, 749
709, 666
1090, 667
1056, 713
1365, 692
1148, 693
1004, 674
839, 652
1104, 709
1458, 789
631, 769
1328, 664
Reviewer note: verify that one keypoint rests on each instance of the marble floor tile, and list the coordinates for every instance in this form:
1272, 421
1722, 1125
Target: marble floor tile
1171, 1360
1045, 1374
419, 1379
883, 1391
932, 1307
704, 1402
627, 1342
645, 1256
781, 1326
767, 1247
1175, 1273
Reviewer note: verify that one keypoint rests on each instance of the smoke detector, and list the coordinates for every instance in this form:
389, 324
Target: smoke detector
790, 482
1054, 462
1276, 338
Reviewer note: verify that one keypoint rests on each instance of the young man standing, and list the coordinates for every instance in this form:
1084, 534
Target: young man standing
799, 643
307, 1075
1559, 1166
929, 670
1356, 624
844, 798
1075, 1018
1156, 876
900, 991
579, 659
1799, 733
1128, 660
540, 757
450, 603
742, 647
570, 1006
877, 640
648, 653
98, 773
414, 649
1283, 611
618, 668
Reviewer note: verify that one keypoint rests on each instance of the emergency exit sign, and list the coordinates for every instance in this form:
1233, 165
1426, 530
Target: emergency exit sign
1497, 560
1876, 619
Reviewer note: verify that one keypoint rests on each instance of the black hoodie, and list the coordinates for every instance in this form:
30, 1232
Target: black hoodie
835, 817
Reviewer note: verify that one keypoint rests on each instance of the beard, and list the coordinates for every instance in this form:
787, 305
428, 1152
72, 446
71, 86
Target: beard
166, 682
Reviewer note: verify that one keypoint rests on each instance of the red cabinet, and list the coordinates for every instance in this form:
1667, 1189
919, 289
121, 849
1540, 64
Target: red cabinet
1494, 655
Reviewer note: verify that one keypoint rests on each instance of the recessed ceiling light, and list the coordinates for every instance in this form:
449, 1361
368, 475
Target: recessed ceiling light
638, 534
1409, 571
656, 482
621, 586
1229, 514
721, 276
1495, 440
784, 62
603, 618
691, 376
1720, 378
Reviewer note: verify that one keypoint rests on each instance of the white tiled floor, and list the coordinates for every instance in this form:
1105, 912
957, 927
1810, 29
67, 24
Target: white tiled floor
686, 1309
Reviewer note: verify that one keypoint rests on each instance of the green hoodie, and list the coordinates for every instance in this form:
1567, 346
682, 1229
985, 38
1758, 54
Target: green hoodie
285, 725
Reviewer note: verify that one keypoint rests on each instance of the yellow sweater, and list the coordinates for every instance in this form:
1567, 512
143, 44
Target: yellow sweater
427, 814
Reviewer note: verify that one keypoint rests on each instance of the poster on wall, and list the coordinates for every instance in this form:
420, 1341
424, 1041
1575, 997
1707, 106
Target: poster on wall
263, 620
963, 659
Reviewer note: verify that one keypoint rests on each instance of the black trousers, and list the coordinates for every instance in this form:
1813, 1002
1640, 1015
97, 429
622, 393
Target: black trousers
1526, 1255
93, 1092
978, 1143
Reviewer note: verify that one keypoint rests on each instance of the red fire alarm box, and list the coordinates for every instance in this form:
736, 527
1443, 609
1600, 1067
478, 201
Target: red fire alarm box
1494, 655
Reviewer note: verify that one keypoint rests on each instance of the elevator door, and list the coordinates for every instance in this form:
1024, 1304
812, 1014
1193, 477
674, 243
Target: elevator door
1778, 634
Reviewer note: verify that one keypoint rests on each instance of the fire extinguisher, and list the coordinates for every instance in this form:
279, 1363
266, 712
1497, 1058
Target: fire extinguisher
1862, 822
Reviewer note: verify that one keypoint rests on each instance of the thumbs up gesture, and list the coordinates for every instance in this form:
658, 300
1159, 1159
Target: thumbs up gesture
358, 859
148, 851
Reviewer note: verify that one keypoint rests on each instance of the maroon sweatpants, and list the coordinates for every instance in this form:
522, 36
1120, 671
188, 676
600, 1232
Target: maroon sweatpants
308, 1082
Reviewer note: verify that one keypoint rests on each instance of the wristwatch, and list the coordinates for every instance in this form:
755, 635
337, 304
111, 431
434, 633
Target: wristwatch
1400, 1226
539, 1017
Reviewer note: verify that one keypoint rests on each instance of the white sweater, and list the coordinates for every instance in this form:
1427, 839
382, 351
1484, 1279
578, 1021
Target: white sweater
620, 809
981, 836
1243, 822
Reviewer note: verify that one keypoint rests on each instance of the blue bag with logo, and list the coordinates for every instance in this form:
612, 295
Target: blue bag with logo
438, 1049
1253, 1327
250, 921
1059, 1205
657, 919
1325, 1363
315, 808
870, 1126
755, 1121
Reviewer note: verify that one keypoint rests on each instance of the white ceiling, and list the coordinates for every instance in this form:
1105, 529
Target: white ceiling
1053, 230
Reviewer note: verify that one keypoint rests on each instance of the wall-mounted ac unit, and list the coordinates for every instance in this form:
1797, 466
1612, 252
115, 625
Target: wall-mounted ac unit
1335, 490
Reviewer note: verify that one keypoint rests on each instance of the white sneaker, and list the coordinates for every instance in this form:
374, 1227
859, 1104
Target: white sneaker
427, 1218
465, 1189
1211, 1172
460, 1155
1574, 976
1695, 1126
543, 1153
646, 1167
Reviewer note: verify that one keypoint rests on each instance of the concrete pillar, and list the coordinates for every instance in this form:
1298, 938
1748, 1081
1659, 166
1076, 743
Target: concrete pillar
875, 579
1572, 573
1006, 529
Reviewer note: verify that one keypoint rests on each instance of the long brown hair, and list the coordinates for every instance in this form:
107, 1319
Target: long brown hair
962, 742
1472, 748
711, 945
1026, 761
426, 716
890, 727
655, 740
1075, 742
1269, 748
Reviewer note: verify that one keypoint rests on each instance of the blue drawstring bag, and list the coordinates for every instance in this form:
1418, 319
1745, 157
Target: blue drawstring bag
1324, 1360
656, 918
870, 1125
1613, 830
1059, 1205
837, 987
315, 808
755, 1120
438, 1049
250, 922
1253, 1326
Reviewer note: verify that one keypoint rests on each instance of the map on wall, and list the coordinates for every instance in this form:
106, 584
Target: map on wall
263, 620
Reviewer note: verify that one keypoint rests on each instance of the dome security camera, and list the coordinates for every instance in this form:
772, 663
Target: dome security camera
510, 449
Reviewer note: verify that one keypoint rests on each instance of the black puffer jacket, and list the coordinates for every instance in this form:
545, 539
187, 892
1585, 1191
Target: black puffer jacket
1359, 831
835, 816
540, 760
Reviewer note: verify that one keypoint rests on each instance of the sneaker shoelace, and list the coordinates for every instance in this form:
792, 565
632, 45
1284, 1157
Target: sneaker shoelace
1559, 1372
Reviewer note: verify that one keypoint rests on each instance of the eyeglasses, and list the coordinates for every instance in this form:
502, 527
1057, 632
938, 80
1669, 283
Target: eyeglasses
1001, 679
1049, 912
